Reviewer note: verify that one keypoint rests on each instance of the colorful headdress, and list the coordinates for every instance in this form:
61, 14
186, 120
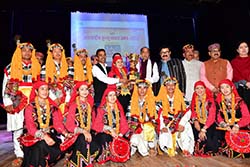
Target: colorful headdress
69, 58
109, 88
35, 87
208, 94
179, 103
75, 93
78, 67
234, 90
16, 62
213, 46
115, 69
149, 99
187, 47
170, 80
50, 65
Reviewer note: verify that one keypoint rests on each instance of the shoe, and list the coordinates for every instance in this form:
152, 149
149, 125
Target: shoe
17, 162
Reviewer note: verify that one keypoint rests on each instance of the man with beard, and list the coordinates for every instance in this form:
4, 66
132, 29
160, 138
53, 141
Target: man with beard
215, 69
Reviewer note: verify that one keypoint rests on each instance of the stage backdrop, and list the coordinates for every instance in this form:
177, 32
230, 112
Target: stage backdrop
124, 33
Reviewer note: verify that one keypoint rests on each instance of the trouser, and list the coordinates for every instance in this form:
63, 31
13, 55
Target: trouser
17, 148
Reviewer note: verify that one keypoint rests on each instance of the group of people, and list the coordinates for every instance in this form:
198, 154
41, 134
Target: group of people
83, 110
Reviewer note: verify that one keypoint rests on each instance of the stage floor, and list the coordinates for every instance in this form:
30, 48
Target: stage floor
7, 155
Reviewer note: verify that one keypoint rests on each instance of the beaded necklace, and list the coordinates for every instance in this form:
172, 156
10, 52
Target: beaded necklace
117, 117
224, 110
40, 121
81, 111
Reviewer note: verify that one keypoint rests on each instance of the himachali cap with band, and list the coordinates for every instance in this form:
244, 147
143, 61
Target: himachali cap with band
187, 47
143, 83
170, 80
213, 46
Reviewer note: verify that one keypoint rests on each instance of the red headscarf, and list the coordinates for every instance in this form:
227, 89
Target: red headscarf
75, 93
209, 94
35, 87
114, 69
234, 90
109, 89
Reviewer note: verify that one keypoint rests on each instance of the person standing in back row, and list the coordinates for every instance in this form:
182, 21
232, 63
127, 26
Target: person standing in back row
215, 69
171, 67
100, 77
148, 69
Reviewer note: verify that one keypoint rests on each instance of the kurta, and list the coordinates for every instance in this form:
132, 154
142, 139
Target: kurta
212, 72
15, 121
192, 70
151, 73
142, 134
59, 90
169, 141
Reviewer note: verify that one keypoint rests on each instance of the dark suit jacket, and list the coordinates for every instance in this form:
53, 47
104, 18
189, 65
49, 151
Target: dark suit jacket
176, 70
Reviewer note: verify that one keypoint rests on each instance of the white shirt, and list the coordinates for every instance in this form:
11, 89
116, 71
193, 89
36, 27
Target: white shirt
97, 72
192, 70
151, 78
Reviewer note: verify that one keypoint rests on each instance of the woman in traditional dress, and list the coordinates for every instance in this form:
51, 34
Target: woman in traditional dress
203, 118
118, 70
233, 116
79, 121
43, 121
110, 122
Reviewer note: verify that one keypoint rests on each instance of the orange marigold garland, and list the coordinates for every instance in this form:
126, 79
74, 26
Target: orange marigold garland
201, 116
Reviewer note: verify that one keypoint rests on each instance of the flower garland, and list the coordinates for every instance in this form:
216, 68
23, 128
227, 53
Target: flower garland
81, 111
202, 117
117, 117
232, 120
40, 121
